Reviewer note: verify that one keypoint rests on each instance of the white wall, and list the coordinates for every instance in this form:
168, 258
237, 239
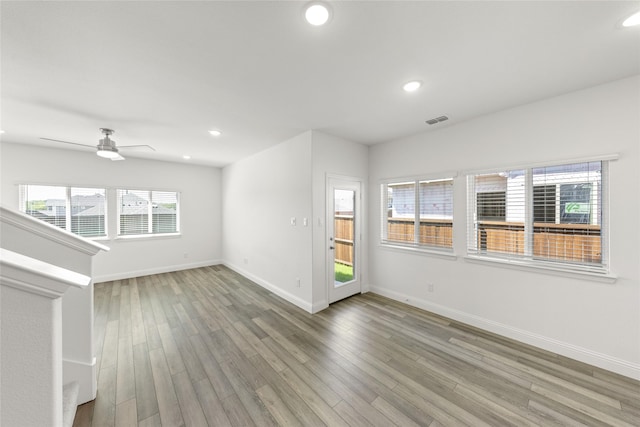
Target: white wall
333, 156
592, 321
200, 210
260, 196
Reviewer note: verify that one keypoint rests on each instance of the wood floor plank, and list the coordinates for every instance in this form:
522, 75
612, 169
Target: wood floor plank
187, 324
551, 416
350, 416
167, 400
84, 414
189, 404
236, 412
137, 324
304, 373
209, 347
581, 407
247, 395
104, 412
188, 355
126, 414
125, 381
393, 413
218, 380
312, 399
290, 398
276, 407
146, 399
282, 340
171, 351
152, 421
109, 356
259, 347
125, 310
211, 405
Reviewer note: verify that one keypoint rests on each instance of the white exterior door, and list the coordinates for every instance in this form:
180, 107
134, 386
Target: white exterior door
343, 239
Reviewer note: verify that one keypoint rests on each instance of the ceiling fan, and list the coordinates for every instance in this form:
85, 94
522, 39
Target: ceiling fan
106, 146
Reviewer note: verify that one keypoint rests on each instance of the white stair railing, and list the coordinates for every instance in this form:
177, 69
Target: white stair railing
31, 337
22, 235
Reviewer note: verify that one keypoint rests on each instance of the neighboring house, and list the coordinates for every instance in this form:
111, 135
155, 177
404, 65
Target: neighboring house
134, 216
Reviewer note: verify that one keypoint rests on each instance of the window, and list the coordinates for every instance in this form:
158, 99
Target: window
142, 212
418, 213
542, 214
76, 209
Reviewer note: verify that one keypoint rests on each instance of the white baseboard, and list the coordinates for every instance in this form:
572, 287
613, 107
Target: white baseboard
622, 367
297, 301
85, 374
155, 270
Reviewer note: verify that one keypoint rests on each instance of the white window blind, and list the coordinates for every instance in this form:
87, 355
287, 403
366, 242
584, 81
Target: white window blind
143, 212
543, 214
77, 209
418, 213
88, 211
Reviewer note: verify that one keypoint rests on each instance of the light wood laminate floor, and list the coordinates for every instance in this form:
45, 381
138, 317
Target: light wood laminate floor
208, 347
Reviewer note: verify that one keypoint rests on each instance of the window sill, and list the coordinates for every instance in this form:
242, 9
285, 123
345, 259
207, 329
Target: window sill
532, 266
419, 250
140, 237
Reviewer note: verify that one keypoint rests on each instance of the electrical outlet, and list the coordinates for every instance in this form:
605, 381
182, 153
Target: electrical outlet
297, 282
186, 255
246, 261
430, 287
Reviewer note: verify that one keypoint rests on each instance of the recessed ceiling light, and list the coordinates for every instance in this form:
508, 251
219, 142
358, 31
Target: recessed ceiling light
186, 157
317, 14
412, 86
632, 21
215, 132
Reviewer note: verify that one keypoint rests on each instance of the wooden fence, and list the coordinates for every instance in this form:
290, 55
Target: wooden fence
434, 232
569, 242
343, 236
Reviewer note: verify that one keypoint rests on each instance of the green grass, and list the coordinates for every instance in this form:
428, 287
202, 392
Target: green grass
344, 273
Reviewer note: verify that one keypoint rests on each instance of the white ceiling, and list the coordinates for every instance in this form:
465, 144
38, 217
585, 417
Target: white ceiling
164, 73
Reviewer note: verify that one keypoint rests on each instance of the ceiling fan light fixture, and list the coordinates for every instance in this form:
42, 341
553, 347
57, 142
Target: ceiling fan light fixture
108, 153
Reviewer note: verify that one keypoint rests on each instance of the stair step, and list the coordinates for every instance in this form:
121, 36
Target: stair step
70, 393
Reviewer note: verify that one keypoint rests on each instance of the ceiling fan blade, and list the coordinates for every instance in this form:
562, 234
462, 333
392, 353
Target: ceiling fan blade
67, 142
116, 159
136, 146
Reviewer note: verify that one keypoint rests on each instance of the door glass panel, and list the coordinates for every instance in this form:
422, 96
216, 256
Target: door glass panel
344, 226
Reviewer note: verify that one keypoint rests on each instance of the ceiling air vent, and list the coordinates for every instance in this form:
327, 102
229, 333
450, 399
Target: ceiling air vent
437, 120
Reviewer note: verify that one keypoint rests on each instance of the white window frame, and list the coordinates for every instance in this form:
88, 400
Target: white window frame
68, 217
415, 245
150, 233
528, 261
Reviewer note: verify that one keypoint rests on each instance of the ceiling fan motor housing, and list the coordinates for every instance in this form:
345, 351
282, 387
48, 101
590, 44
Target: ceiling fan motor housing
106, 144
